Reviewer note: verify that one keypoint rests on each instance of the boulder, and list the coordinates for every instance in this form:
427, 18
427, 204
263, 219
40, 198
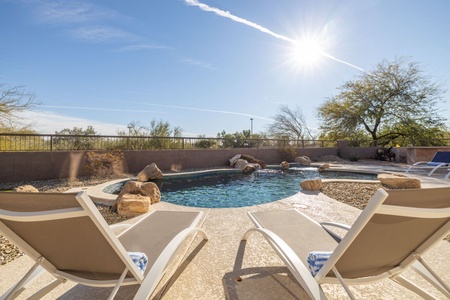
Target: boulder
241, 164
251, 159
26, 189
323, 167
234, 159
131, 187
131, 205
399, 181
150, 172
303, 160
311, 184
250, 168
148, 189
284, 165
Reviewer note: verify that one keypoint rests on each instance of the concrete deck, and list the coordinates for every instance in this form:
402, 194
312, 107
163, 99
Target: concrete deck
219, 268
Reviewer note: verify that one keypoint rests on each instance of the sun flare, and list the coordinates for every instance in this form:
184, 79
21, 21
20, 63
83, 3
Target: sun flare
307, 53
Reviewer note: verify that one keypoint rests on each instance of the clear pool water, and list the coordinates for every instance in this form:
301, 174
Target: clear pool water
238, 190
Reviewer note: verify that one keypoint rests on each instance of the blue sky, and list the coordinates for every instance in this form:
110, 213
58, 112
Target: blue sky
206, 66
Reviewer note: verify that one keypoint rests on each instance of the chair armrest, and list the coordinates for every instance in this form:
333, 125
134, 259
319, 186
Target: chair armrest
338, 225
114, 226
334, 235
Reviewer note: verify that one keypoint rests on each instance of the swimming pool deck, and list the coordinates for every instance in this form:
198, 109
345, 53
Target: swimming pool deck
217, 269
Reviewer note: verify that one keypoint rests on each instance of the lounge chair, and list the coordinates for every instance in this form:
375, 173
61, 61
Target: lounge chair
66, 236
440, 159
448, 174
389, 236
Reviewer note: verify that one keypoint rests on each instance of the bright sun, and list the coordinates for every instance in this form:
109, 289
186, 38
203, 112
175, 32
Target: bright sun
307, 53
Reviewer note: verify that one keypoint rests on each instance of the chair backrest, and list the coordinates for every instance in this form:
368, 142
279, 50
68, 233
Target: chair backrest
441, 156
58, 228
407, 222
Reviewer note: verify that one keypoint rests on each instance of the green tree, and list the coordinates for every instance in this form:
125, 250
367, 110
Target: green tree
158, 135
205, 143
235, 140
76, 138
395, 100
290, 123
12, 101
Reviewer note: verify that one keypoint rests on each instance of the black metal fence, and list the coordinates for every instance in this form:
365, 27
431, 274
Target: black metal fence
52, 142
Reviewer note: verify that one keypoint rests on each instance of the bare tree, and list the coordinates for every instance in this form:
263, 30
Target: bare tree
14, 100
291, 123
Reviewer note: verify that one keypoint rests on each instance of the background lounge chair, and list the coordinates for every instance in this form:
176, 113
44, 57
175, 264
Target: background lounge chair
67, 236
440, 159
390, 235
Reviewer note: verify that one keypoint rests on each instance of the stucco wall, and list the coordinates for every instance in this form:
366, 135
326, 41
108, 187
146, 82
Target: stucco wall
416, 154
25, 166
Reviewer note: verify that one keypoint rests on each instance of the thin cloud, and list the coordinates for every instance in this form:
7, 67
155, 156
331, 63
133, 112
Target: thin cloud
210, 110
83, 21
101, 109
197, 63
47, 122
228, 15
101, 34
132, 48
69, 12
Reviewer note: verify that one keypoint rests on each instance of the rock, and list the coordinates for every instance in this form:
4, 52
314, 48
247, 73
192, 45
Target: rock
234, 159
131, 205
323, 167
250, 168
251, 159
284, 165
131, 187
260, 163
311, 184
151, 190
303, 160
241, 164
150, 172
26, 189
399, 181
148, 189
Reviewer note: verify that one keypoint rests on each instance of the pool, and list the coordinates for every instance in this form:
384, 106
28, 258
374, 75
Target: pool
236, 189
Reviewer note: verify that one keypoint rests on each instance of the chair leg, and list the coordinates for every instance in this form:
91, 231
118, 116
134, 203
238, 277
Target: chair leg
412, 287
422, 268
117, 286
35, 271
44, 291
344, 285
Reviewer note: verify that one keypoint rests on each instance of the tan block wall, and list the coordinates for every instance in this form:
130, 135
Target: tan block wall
26, 166
416, 154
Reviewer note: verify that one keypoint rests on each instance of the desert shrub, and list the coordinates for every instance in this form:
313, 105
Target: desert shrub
102, 164
288, 153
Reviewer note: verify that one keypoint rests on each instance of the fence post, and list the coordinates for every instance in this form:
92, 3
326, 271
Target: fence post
182, 143
51, 143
